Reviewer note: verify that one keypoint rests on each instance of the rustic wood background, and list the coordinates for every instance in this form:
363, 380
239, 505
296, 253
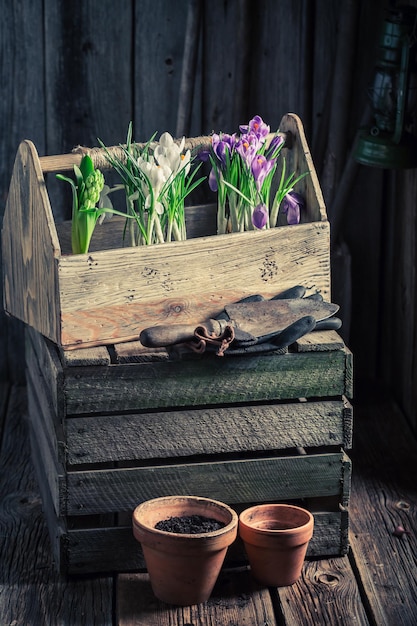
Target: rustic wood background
75, 71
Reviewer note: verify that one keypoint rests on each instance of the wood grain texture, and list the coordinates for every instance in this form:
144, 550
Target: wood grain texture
135, 352
110, 295
45, 455
30, 247
59, 104
215, 430
384, 483
273, 53
47, 372
298, 159
222, 73
213, 439
88, 69
98, 355
253, 480
159, 64
254, 606
213, 380
327, 593
50, 480
320, 340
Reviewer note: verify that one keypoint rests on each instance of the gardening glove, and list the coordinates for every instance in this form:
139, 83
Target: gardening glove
243, 343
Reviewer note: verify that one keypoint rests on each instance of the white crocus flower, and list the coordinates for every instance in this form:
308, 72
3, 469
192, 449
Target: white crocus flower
169, 153
185, 162
157, 176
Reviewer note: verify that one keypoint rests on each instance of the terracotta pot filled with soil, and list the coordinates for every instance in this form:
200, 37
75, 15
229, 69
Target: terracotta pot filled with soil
276, 538
184, 541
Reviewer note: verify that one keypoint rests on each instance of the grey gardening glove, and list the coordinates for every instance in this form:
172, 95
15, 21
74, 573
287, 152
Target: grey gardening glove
244, 343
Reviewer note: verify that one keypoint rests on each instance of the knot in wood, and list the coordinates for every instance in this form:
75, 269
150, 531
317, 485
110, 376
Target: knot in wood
175, 308
328, 579
402, 505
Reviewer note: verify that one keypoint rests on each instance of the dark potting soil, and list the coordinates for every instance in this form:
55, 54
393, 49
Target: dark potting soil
189, 525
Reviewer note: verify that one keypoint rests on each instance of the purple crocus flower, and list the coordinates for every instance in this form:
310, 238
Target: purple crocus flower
273, 146
292, 204
260, 169
222, 148
247, 149
257, 126
212, 180
204, 155
260, 216
222, 145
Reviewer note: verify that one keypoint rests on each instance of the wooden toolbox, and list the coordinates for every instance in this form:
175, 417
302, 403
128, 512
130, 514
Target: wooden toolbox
113, 292
114, 426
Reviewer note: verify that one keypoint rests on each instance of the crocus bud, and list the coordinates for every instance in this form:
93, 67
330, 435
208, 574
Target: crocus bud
260, 216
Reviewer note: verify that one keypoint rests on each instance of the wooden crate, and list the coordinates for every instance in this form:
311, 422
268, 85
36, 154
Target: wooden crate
114, 426
112, 293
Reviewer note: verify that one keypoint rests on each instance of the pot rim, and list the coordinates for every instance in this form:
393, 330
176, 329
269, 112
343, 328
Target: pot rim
194, 500
247, 520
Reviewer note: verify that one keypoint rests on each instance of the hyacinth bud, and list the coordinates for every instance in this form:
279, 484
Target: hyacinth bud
94, 184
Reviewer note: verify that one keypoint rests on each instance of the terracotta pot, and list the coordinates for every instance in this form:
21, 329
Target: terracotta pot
183, 568
276, 538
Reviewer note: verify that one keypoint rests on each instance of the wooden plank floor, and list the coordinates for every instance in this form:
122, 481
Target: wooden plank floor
375, 584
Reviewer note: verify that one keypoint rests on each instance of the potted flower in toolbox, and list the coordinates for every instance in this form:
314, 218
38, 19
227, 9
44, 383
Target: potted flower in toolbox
184, 541
242, 174
158, 176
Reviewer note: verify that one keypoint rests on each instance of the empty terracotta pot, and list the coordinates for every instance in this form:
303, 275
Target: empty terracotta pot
183, 568
276, 538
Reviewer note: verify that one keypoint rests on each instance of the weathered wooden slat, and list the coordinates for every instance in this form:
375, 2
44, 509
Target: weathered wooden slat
98, 355
215, 430
42, 413
212, 380
209, 381
236, 599
46, 367
327, 593
82, 106
385, 486
49, 483
255, 262
135, 352
115, 549
320, 340
167, 23
44, 453
253, 480
30, 246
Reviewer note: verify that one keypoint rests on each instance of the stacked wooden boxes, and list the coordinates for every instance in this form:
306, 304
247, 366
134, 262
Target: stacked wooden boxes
115, 424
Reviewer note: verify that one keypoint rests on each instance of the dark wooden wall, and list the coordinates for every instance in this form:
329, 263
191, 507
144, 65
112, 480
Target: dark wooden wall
75, 71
